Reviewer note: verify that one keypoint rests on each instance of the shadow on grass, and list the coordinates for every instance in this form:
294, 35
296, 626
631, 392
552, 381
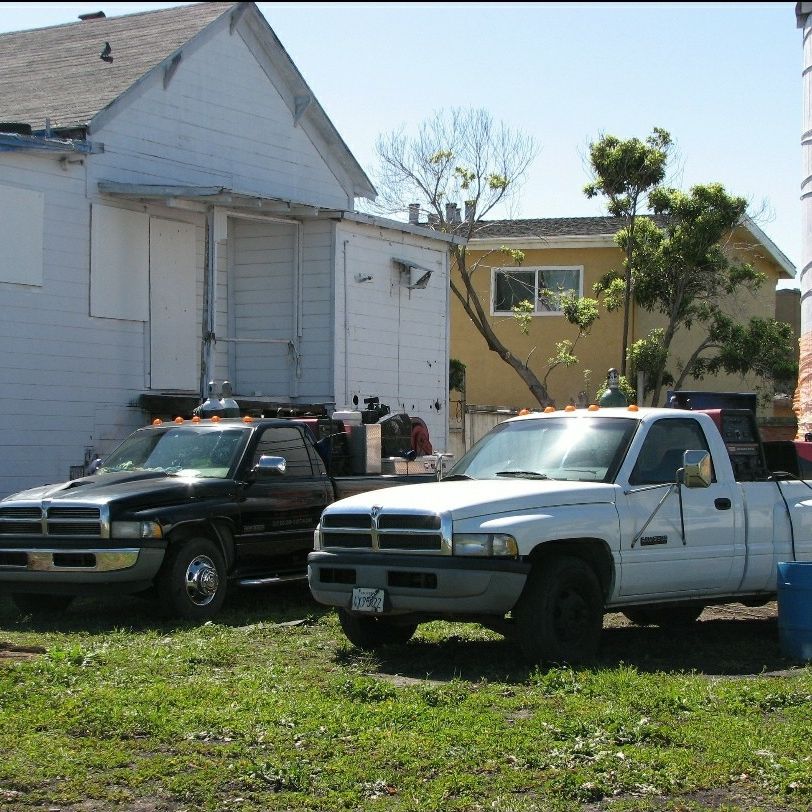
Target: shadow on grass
285, 603
724, 647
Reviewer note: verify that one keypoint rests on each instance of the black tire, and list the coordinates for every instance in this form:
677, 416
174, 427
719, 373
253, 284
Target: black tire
192, 581
668, 617
559, 616
369, 633
33, 604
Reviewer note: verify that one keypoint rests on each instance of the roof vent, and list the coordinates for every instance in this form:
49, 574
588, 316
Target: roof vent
93, 15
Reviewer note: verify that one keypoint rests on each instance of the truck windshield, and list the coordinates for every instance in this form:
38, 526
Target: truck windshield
185, 451
583, 449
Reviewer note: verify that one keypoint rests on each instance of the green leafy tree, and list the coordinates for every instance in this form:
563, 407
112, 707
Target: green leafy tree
683, 272
465, 157
624, 172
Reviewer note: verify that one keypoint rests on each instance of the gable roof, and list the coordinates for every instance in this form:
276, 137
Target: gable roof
57, 73
55, 76
601, 228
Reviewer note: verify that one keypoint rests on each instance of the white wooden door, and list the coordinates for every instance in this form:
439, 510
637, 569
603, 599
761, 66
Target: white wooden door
174, 326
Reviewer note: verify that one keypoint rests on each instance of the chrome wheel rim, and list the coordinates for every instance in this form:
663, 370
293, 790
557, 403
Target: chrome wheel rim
202, 580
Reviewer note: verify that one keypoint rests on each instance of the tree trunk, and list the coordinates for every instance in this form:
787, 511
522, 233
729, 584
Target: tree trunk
473, 307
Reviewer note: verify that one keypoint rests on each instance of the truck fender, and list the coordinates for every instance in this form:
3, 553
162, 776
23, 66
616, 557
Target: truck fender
593, 551
218, 530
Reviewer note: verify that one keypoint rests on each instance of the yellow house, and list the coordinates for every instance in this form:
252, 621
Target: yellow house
571, 254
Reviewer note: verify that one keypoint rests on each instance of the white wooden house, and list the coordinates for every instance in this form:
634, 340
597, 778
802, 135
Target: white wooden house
176, 207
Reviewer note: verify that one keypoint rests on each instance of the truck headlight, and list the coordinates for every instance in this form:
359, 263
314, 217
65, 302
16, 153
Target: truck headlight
495, 545
137, 530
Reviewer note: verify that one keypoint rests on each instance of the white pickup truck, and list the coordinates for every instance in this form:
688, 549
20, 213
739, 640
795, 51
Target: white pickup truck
553, 519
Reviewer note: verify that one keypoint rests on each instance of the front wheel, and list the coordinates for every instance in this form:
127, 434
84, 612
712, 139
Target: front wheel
369, 633
192, 580
559, 616
33, 604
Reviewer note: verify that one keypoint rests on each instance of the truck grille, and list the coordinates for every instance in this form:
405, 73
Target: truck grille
50, 521
396, 532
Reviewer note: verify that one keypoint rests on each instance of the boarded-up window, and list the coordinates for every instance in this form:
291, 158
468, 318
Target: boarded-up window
119, 264
21, 225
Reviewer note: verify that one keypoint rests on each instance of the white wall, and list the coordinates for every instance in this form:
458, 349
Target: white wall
220, 122
67, 378
392, 342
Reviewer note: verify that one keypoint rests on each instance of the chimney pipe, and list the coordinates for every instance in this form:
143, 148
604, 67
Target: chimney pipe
414, 213
449, 212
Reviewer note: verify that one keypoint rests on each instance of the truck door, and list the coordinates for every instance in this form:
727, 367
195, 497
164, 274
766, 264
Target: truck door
657, 561
279, 513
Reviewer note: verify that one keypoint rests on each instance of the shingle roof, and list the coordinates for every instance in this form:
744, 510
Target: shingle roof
548, 227
57, 72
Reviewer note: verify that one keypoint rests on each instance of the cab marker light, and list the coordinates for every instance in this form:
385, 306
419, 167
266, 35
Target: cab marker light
634, 407
157, 421
178, 419
593, 407
548, 409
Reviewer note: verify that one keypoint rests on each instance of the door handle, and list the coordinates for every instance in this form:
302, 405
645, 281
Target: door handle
722, 503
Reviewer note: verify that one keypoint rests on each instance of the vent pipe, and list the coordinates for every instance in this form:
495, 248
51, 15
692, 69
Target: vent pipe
803, 394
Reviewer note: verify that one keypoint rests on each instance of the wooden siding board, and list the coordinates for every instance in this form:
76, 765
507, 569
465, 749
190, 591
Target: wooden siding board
217, 113
396, 338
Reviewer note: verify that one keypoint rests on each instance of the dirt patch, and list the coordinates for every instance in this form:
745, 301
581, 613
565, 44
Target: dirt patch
736, 798
11, 653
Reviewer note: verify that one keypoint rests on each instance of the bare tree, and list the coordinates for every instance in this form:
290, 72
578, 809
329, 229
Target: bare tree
462, 156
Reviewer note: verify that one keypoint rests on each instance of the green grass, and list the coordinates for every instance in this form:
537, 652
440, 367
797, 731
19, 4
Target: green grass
271, 709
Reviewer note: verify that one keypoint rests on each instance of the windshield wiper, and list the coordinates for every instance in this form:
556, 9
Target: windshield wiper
454, 477
523, 474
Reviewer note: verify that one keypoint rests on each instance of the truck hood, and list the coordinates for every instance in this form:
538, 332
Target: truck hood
123, 487
471, 498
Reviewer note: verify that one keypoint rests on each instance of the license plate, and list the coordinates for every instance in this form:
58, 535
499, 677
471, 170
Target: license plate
367, 600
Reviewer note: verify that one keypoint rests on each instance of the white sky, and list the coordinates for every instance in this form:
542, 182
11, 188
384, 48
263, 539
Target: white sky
723, 78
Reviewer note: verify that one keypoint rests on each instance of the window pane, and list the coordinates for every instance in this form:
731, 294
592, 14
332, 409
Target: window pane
512, 287
661, 454
552, 283
287, 442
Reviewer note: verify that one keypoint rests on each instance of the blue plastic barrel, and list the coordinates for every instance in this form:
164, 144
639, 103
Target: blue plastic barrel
795, 609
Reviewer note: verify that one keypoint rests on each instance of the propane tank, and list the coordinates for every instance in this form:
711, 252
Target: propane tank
229, 406
211, 406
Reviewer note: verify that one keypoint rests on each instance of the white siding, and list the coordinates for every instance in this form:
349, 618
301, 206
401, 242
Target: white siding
68, 378
396, 339
220, 122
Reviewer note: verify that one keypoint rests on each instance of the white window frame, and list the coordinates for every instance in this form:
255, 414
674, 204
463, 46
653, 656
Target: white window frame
536, 269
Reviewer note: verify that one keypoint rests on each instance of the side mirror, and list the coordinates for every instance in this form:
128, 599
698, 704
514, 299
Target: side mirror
696, 469
269, 466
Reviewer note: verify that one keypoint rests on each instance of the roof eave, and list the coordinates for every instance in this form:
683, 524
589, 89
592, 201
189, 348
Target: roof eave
13, 142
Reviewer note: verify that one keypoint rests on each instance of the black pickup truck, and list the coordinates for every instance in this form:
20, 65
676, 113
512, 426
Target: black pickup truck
182, 508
